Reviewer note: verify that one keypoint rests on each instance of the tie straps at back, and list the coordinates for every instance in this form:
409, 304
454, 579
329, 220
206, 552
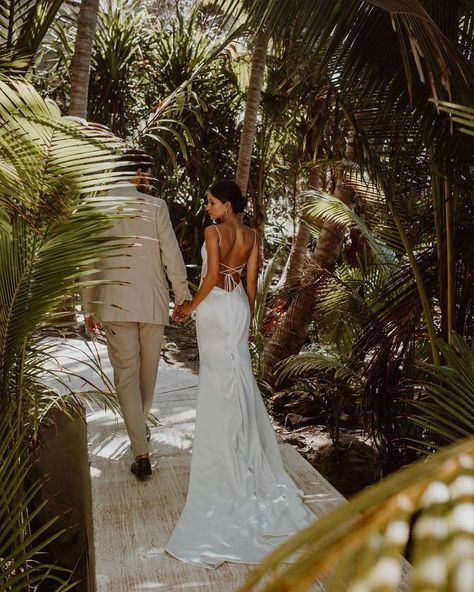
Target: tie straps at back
228, 272
230, 282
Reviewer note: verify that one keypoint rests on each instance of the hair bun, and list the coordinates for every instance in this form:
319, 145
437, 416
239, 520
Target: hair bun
228, 191
240, 204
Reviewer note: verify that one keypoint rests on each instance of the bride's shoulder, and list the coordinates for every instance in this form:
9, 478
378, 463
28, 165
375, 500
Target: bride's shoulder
248, 231
211, 231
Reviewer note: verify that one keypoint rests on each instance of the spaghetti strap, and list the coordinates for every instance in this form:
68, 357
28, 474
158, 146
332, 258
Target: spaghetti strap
218, 234
254, 238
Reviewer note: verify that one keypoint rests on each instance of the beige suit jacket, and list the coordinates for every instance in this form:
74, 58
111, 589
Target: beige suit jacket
141, 265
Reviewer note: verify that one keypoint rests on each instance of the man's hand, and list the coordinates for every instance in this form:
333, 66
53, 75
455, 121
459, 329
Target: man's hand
175, 316
186, 310
180, 312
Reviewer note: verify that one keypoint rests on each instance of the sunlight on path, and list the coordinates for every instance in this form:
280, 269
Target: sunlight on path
130, 520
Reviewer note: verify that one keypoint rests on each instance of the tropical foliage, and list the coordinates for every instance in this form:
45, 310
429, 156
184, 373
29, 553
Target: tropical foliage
400, 237
211, 116
138, 62
21, 543
446, 410
49, 238
360, 546
23, 26
360, 185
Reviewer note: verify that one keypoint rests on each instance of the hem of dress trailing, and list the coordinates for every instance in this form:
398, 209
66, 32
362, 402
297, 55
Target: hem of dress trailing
195, 563
202, 563
205, 565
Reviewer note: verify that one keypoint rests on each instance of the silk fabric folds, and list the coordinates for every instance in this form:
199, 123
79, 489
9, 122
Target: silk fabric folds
241, 503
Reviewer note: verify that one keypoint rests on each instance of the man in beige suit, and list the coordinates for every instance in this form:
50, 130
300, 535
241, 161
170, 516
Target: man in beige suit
135, 311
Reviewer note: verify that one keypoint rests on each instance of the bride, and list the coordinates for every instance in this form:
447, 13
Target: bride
241, 503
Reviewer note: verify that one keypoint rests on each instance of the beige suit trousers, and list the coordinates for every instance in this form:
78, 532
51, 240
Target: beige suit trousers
134, 352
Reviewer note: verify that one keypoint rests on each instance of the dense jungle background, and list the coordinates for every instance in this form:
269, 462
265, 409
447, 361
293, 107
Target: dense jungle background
350, 127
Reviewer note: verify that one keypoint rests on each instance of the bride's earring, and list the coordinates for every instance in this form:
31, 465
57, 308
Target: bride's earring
226, 213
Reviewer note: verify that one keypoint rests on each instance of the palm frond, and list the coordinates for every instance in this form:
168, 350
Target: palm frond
40, 149
263, 288
463, 116
20, 543
361, 543
447, 409
264, 284
326, 207
37, 271
23, 26
317, 360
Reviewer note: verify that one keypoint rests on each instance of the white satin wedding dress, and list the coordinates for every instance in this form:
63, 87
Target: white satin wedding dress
241, 503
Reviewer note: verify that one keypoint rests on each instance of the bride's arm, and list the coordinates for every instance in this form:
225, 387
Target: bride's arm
212, 276
252, 277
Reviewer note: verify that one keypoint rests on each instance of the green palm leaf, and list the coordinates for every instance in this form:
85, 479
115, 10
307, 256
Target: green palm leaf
317, 360
447, 409
37, 272
19, 545
361, 543
323, 207
23, 26
464, 116
48, 161
52, 173
264, 283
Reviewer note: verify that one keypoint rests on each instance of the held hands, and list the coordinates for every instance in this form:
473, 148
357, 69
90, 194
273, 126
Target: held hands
183, 311
92, 325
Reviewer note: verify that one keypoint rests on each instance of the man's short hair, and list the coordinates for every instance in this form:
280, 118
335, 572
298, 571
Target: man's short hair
134, 159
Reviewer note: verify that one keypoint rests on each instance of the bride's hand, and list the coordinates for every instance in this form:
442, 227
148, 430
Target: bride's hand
176, 316
185, 310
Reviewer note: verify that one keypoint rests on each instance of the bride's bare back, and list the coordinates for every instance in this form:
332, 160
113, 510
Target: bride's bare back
236, 244
229, 248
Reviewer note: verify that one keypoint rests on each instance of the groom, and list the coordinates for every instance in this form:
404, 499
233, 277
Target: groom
134, 310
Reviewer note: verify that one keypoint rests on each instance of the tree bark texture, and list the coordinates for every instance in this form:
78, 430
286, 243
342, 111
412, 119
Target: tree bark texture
298, 254
81, 63
252, 107
293, 329
299, 250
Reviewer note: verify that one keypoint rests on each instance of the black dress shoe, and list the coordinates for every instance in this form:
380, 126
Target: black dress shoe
141, 468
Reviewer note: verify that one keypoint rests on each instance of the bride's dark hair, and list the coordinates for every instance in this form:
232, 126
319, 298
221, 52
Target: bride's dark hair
228, 191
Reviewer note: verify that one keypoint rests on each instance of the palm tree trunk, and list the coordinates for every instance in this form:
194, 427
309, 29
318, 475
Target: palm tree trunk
298, 254
81, 63
80, 74
293, 330
299, 250
252, 107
